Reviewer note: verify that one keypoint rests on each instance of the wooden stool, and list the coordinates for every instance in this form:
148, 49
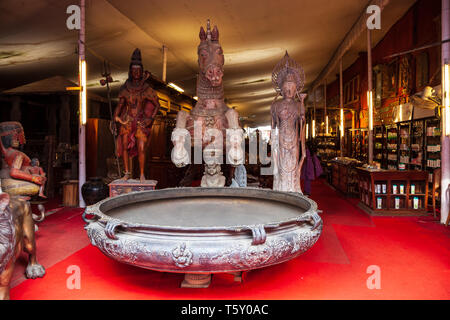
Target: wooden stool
70, 193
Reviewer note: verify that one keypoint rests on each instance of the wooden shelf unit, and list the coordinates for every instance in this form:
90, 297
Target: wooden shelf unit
393, 192
345, 177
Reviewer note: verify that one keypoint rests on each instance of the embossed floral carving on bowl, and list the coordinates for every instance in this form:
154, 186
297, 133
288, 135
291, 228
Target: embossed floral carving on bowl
204, 230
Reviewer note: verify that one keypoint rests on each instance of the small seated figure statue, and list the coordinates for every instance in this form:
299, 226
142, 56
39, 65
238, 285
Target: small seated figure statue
19, 176
36, 170
213, 177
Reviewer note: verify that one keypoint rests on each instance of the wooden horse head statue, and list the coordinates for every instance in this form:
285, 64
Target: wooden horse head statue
210, 62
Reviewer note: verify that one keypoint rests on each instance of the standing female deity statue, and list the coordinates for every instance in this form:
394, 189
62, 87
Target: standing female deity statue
288, 126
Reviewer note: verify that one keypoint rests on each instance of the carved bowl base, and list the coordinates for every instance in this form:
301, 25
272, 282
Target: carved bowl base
193, 280
237, 276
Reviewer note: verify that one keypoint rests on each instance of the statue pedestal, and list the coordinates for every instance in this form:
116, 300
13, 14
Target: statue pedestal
119, 186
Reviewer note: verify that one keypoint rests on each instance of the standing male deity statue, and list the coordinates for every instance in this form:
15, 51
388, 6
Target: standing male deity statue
136, 111
211, 121
288, 126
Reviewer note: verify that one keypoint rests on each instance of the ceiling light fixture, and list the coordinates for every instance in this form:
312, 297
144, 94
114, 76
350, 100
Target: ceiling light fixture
446, 98
370, 105
83, 97
174, 86
313, 128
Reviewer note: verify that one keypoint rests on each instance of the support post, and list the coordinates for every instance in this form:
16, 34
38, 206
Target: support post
82, 126
341, 95
325, 102
370, 93
164, 71
445, 139
313, 122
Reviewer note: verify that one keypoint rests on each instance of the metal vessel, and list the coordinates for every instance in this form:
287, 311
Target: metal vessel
204, 230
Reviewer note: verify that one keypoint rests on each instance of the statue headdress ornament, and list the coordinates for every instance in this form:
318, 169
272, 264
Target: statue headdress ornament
10, 128
136, 58
208, 30
209, 35
288, 69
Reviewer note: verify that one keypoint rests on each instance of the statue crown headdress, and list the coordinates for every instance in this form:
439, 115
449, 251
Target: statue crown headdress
136, 58
287, 69
10, 127
211, 35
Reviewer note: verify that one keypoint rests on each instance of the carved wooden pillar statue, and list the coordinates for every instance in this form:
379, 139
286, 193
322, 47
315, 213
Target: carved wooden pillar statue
211, 121
288, 126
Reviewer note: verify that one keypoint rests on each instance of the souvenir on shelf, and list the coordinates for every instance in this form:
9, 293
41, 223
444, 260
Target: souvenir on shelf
379, 146
326, 147
404, 146
417, 139
392, 147
135, 112
211, 116
288, 125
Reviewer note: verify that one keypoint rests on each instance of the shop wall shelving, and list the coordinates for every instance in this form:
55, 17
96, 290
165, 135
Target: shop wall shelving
393, 192
392, 136
380, 153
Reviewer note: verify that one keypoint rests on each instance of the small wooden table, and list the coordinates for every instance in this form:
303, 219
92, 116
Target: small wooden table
393, 192
119, 186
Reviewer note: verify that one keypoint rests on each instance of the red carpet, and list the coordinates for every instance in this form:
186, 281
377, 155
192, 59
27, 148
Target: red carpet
413, 254
60, 235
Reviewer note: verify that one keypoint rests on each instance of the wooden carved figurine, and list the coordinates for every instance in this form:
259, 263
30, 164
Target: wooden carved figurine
137, 108
288, 126
211, 121
19, 175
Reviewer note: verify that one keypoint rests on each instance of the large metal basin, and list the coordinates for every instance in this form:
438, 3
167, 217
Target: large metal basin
204, 230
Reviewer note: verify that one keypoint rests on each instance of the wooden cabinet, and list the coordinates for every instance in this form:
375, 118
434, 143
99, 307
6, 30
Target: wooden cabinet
344, 176
393, 192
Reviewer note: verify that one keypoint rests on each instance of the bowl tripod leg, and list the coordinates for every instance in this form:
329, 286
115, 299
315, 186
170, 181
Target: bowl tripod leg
194, 280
